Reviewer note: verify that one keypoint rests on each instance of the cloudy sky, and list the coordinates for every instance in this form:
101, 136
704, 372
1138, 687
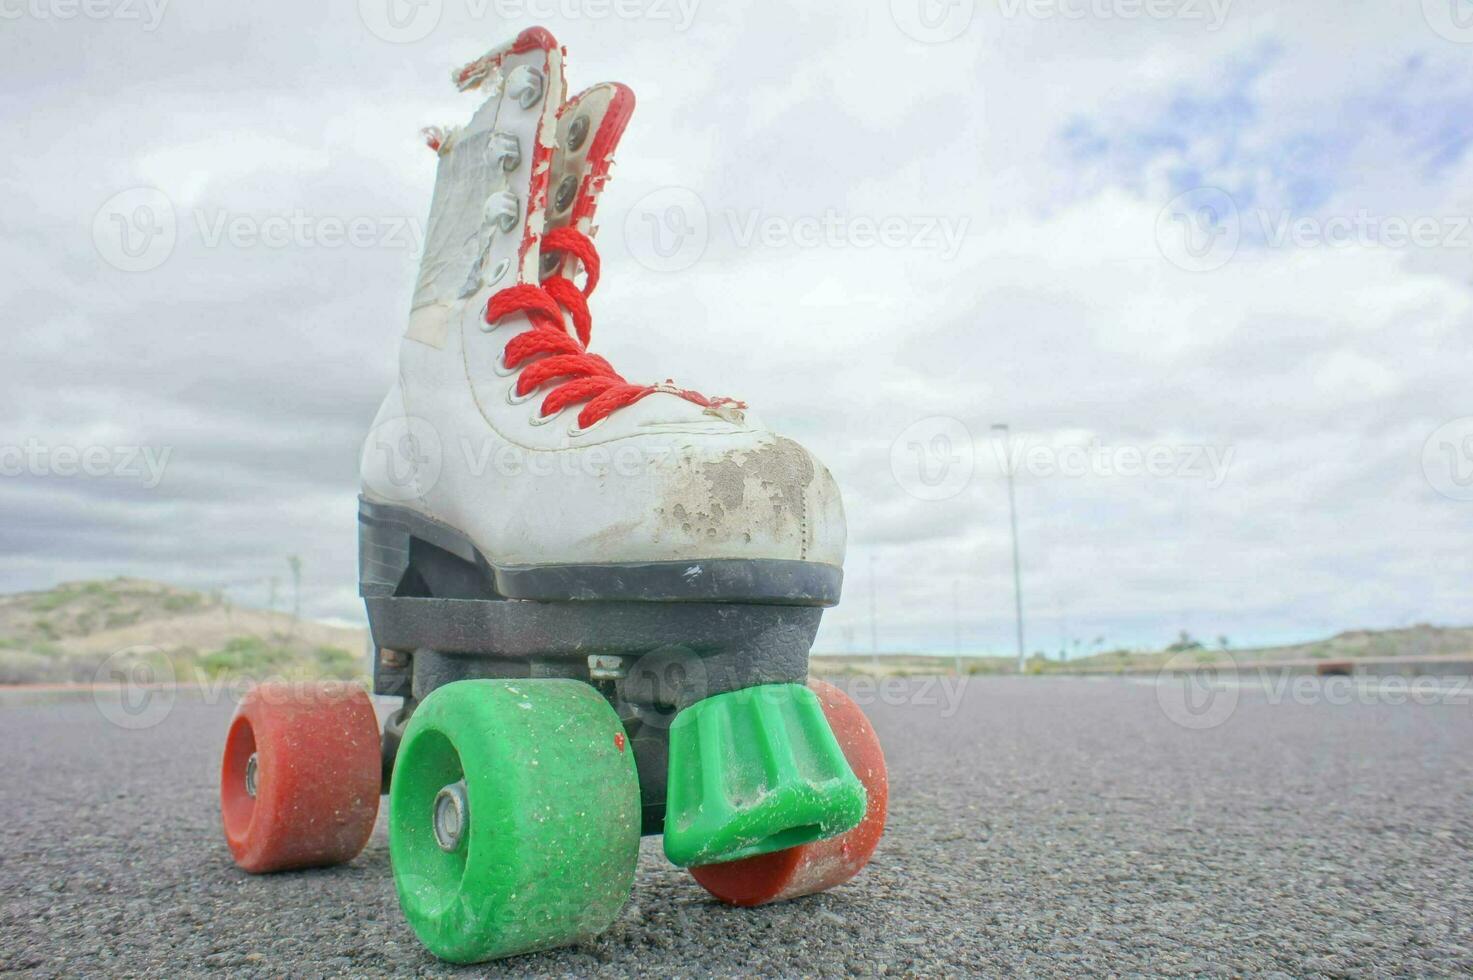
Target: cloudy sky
1211, 260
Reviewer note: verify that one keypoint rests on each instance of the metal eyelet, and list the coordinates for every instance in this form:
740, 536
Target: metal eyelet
576, 430
549, 263
502, 210
504, 151
567, 190
498, 272
525, 84
512, 398
577, 133
544, 419
499, 366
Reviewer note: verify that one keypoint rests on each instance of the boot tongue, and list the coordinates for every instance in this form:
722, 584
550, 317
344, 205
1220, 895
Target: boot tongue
588, 131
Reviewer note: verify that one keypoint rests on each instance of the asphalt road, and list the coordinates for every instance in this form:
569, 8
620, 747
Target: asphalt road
1041, 826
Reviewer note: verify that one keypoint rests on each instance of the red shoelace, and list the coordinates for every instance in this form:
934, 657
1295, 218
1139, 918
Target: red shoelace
580, 376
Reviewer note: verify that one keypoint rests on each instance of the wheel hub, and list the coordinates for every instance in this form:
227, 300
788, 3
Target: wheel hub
451, 815
251, 774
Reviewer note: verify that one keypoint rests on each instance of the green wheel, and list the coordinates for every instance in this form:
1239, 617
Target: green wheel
513, 817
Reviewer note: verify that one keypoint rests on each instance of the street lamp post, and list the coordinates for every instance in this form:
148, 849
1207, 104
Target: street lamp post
874, 629
1013, 517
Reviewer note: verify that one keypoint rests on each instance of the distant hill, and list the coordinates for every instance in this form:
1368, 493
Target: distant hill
1420, 641
72, 632
68, 633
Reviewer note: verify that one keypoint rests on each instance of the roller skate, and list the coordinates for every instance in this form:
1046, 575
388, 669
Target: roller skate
595, 598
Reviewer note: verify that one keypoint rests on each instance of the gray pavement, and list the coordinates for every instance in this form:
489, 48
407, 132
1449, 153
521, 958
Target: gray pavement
1040, 826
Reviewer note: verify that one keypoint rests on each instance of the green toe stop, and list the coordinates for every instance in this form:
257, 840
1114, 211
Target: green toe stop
755, 771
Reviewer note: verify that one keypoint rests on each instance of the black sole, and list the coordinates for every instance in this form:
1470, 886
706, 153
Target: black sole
386, 534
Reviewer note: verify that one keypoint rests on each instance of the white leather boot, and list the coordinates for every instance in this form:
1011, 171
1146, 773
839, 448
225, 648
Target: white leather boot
566, 481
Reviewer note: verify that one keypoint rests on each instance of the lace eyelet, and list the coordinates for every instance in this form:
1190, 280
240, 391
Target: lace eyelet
512, 398
489, 326
577, 133
540, 419
499, 366
577, 430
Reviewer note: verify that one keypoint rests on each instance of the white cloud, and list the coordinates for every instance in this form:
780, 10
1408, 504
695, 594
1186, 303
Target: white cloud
1322, 370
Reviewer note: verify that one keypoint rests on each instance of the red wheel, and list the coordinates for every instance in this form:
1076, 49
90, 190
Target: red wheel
299, 784
819, 866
